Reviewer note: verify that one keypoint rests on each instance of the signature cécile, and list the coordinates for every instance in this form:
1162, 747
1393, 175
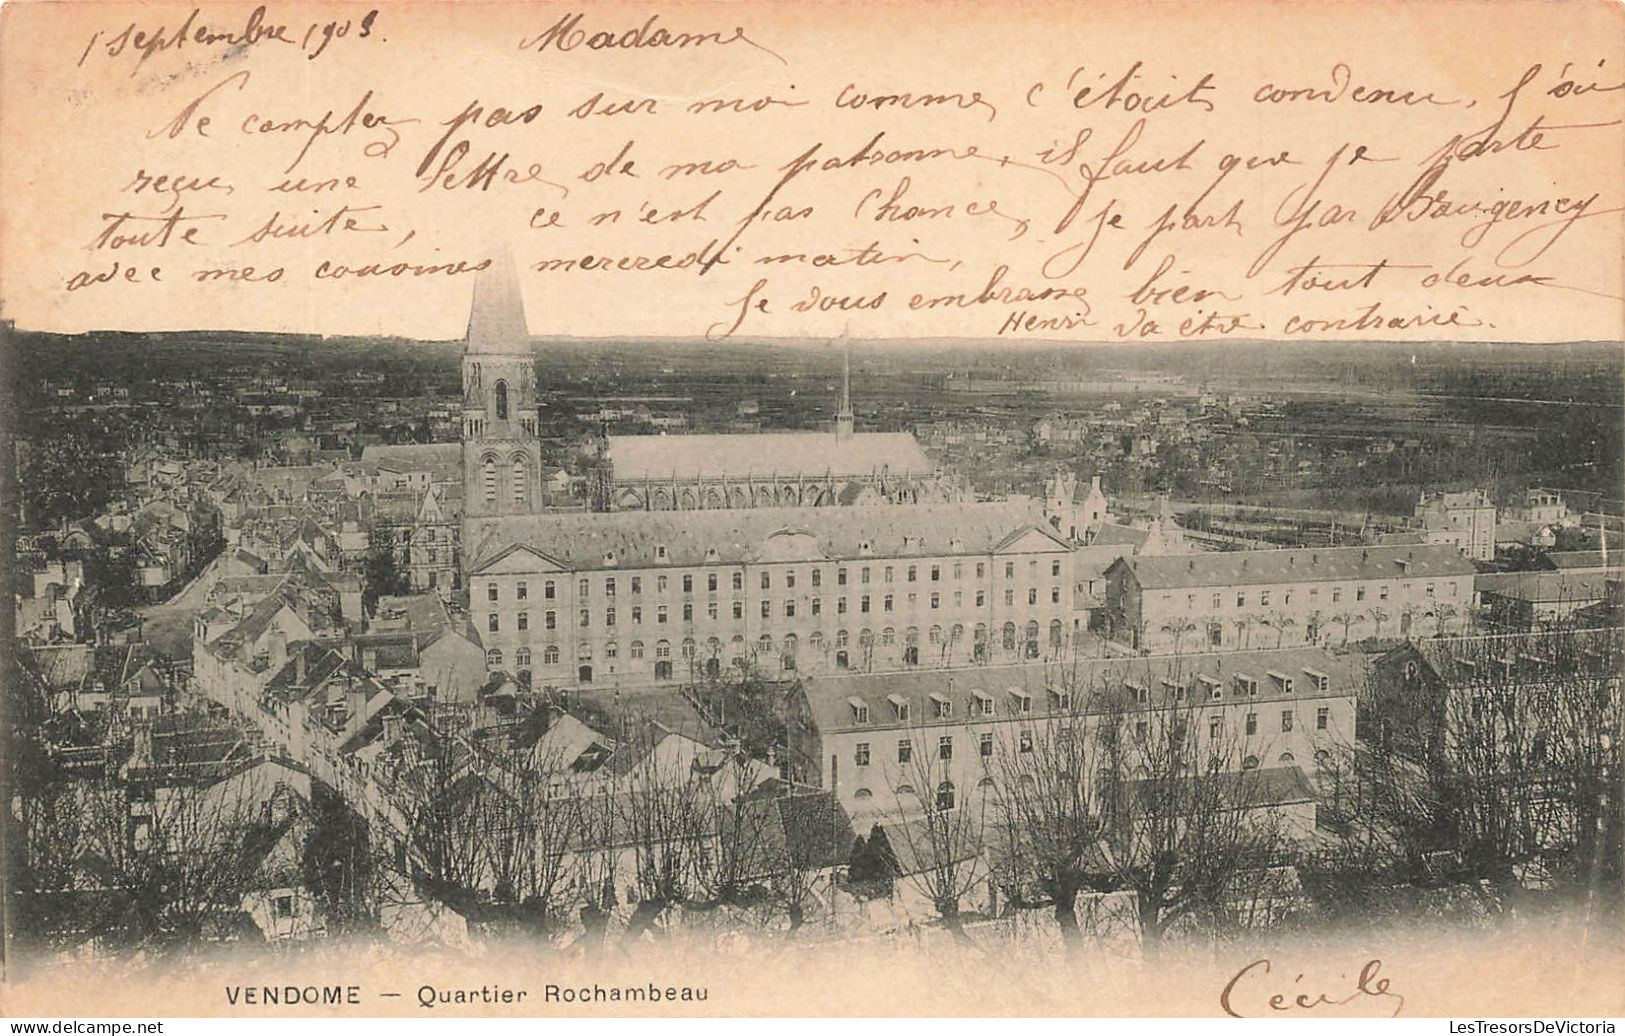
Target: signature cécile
1247, 990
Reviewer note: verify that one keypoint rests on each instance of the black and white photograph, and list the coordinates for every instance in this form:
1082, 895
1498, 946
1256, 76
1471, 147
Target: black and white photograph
437, 599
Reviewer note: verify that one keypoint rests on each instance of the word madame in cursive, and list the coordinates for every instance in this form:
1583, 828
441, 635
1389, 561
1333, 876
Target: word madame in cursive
566, 35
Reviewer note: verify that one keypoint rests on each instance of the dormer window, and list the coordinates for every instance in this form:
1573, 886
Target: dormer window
1282, 681
609, 557
1318, 680
899, 706
865, 548
710, 553
660, 552
1213, 688
1022, 700
1063, 699
1142, 696
982, 703
860, 710
941, 706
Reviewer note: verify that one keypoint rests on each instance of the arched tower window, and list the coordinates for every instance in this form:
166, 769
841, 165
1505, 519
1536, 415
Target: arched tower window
502, 401
519, 482
489, 471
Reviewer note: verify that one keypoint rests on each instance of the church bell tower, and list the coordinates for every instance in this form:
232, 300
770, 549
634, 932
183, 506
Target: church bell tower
502, 461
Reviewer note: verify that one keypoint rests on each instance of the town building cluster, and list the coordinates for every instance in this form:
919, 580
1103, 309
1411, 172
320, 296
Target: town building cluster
813, 663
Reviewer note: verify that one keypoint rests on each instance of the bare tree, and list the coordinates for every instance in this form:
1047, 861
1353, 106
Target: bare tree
441, 795
1378, 617
1047, 814
596, 862
1515, 761
739, 859
159, 867
671, 829
938, 835
1182, 828
527, 830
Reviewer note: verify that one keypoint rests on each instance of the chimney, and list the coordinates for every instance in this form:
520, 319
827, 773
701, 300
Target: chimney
392, 729
1094, 484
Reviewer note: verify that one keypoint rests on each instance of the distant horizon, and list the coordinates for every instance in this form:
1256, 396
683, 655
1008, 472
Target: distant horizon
819, 343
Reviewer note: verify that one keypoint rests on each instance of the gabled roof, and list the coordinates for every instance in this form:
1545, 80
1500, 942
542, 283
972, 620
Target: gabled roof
1562, 587
1098, 683
1584, 559
419, 613
579, 541
781, 456
1298, 565
1237, 789
1112, 534
1459, 660
804, 828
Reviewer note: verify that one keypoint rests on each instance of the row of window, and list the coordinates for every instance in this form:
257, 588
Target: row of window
1011, 638
1265, 597
981, 703
788, 610
862, 755
946, 790
765, 644
522, 657
712, 580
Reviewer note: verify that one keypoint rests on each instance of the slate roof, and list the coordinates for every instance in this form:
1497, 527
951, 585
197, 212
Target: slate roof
415, 456
496, 318
1091, 562
1457, 660
915, 849
1239, 789
320, 663
830, 698
397, 506
1111, 534
1564, 587
1299, 565
62, 665
416, 612
808, 828
765, 456
192, 745
580, 541
1583, 559
569, 742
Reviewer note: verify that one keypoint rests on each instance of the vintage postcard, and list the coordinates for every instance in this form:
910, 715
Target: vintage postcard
736, 508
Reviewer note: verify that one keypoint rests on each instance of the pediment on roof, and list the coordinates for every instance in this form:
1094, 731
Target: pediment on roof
790, 545
518, 559
1031, 540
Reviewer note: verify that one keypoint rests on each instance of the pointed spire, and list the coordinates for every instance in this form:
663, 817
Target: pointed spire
496, 319
843, 418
